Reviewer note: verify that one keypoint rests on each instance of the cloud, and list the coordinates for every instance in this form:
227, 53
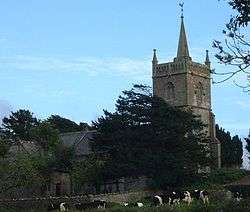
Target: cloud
5, 109
135, 68
243, 104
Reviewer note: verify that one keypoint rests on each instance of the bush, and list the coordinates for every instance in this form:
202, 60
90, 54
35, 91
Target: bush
218, 178
223, 176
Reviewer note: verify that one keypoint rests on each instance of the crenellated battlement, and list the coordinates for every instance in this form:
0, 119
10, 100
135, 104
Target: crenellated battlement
178, 67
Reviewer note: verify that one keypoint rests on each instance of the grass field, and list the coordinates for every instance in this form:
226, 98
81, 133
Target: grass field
217, 206
219, 200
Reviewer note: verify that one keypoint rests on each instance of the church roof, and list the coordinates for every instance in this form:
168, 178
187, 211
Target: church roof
79, 140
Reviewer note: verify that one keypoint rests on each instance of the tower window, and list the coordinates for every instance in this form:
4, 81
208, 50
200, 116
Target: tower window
170, 91
199, 93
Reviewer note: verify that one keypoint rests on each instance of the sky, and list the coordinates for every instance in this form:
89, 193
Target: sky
74, 58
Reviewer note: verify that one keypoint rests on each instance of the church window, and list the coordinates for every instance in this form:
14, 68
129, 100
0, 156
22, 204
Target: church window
170, 91
199, 93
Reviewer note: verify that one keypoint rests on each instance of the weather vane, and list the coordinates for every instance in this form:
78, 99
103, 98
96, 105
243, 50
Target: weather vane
181, 4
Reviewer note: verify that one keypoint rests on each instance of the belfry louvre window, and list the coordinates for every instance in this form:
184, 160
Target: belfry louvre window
199, 93
170, 91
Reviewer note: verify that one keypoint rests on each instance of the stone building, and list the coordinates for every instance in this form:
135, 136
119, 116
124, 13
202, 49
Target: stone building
187, 84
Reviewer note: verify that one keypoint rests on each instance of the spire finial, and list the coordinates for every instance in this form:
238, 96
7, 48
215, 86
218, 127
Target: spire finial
154, 61
207, 61
181, 4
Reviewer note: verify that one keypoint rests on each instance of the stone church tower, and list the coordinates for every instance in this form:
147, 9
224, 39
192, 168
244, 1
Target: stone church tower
186, 84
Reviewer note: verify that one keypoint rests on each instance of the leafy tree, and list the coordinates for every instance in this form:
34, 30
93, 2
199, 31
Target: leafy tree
65, 125
231, 148
235, 50
18, 173
19, 124
91, 169
45, 136
63, 158
145, 136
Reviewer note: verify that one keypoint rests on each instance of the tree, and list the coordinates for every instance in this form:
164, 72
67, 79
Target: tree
45, 136
19, 124
235, 50
145, 136
19, 173
91, 169
231, 148
243, 9
63, 158
4, 147
248, 143
65, 125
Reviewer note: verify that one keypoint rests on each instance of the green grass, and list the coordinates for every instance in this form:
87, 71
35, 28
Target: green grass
215, 206
214, 183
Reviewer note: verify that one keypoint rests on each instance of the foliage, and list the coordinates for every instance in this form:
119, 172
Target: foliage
235, 50
248, 143
4, 147
45, 136
218, 178
145, 136
19, 124
63, 158
65, 125
19, 172
231, 148
26, 169
90, 169
243, 9
223, 176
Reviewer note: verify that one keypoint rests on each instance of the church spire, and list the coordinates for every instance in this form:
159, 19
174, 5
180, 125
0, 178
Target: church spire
183, 45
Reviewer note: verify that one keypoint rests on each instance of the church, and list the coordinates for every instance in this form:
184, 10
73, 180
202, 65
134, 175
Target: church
186, 84
182, 83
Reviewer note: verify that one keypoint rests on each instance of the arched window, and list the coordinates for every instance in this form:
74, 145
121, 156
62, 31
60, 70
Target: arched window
199, 93
170, 91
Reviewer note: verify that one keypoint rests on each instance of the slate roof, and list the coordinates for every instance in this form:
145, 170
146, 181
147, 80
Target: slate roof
80, 140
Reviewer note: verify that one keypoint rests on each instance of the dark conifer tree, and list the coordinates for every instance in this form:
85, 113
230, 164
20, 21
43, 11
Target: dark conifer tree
19, 124
231, 148
145, 136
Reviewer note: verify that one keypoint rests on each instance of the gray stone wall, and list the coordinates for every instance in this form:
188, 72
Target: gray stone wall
60, 184
179, 81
